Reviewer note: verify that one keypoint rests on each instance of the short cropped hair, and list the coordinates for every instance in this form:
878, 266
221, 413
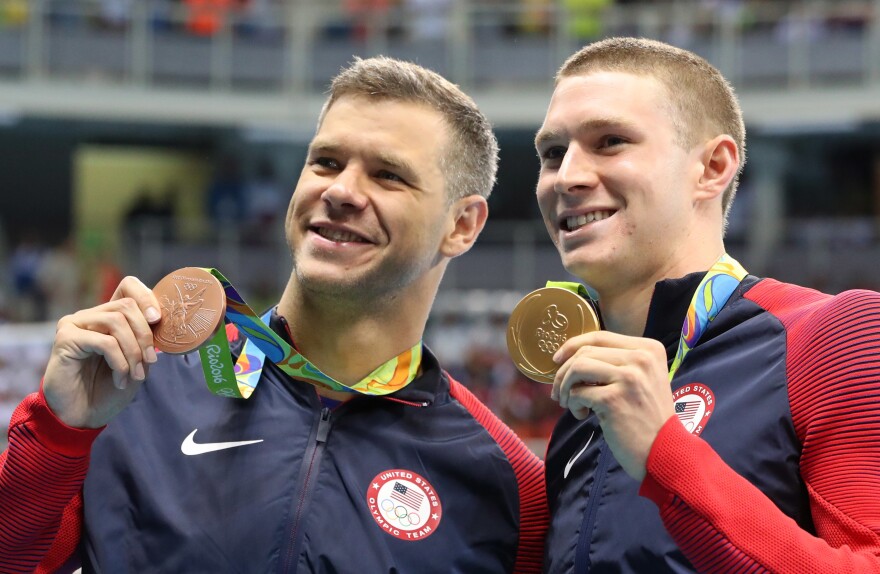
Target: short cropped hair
702, 102
471, 161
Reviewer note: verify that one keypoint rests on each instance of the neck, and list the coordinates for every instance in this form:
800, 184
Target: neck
625, 310
349, 341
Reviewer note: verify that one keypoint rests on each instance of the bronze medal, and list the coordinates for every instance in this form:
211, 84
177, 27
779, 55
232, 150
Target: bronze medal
540, 323
193, 305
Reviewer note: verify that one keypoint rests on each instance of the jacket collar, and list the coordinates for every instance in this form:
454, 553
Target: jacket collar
668, 308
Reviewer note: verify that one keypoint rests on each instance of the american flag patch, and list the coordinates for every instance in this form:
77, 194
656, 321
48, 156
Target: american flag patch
409, 496
694, 404
686, 410
404, 504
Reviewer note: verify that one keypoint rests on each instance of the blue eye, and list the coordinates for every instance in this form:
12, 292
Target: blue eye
390, 176
327, 162
611, 141
553, 153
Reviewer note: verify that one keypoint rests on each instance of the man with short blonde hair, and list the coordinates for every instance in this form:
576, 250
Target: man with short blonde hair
701, 101
720, 422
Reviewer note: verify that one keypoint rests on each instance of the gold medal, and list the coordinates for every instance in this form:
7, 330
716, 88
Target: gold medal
540, 323
193, 305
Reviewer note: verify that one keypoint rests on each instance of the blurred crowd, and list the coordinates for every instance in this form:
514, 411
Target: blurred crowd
44, 280
199, 17
355, 19
429, 19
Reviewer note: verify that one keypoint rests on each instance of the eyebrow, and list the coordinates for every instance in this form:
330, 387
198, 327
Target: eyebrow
385, 158
545, 136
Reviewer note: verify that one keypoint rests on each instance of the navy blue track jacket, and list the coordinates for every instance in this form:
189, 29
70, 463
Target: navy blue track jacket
771, 463
423, 480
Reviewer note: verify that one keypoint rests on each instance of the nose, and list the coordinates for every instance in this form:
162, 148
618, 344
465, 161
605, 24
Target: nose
345, 192
577, 172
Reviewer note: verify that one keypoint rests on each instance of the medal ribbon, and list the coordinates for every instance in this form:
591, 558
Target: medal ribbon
711, 295
263, 343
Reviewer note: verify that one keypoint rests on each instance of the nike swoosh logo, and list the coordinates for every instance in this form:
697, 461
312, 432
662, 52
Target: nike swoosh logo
190, 447
572, 460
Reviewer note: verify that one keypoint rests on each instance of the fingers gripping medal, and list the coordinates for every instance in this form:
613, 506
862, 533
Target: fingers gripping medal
540, 323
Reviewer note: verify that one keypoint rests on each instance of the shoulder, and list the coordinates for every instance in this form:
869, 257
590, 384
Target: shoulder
786, 301
529, 470
512, 445
527, 466
810, 314
833, 350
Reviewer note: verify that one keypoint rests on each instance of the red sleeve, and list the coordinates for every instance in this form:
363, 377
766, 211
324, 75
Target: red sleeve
725, 524
534, 514
41, 477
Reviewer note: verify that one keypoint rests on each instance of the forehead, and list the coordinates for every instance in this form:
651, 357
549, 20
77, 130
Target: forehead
607, 95
386, 127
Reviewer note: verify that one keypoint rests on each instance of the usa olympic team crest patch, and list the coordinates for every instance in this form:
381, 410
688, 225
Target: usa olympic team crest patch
404, 504
694, 404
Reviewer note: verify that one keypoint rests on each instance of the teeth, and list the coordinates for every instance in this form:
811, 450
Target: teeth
338, 235
577, 221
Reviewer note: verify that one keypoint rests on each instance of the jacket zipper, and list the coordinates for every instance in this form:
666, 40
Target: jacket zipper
582, 556
308, 483
420, 404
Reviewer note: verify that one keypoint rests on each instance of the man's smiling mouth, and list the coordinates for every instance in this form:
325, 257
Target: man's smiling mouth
339, 235
577, 221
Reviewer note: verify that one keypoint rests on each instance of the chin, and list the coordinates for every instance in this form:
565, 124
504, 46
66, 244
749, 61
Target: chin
326, 278
332, 288
583, 270
340, 283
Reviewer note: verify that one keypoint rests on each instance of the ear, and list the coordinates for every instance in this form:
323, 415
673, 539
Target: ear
467, 217
719, 162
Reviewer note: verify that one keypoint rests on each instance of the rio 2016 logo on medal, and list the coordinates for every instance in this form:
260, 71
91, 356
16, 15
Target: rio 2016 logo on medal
404, 504
540, 323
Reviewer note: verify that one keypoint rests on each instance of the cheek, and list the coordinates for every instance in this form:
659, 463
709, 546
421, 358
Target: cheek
291, 218
291, 208
305, 197
545, 197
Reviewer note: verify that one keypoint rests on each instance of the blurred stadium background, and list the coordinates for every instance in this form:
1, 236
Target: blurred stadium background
138, 136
